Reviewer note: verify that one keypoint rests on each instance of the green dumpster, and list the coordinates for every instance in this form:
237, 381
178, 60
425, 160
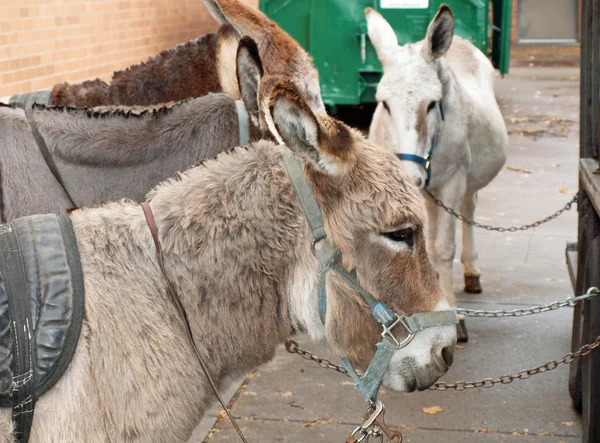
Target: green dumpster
334, 32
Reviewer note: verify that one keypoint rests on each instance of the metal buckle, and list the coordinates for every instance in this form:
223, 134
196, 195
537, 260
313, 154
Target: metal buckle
387, 332
313, 247
427, 162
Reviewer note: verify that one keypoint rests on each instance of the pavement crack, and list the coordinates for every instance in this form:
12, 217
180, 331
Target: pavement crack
408, 428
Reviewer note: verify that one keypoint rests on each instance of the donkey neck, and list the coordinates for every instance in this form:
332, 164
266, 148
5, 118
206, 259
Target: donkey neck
235, 244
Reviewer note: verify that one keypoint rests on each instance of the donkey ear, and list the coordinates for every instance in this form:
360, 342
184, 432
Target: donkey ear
247, 20
227, 46
325, 143
382, 36
249, 74
439, 34
215, 10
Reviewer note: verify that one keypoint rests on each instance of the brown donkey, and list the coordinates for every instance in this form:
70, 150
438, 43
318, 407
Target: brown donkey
237, 247
192, 69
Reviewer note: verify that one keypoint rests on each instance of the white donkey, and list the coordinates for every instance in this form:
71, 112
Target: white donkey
438, 112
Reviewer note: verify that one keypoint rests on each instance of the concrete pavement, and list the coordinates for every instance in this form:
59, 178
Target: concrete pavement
292, 400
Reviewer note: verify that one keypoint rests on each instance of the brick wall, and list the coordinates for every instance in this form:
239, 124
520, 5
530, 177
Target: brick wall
44, 42
514, 24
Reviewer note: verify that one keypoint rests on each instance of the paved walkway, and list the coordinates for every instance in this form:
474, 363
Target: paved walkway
291, 400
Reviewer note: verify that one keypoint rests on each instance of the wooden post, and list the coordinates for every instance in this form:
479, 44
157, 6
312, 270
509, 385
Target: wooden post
590, 140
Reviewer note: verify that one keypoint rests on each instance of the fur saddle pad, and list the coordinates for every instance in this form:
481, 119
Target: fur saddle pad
41, 310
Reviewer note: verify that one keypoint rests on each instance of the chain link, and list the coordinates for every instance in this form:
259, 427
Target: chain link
293, 348
499, 228
571, 301
521, 375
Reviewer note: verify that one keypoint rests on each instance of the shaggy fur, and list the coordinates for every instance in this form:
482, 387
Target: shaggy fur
191, 69
105, 155
233, 237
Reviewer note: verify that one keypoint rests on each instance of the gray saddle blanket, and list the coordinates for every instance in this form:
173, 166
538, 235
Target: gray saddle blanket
27, 100
41, 309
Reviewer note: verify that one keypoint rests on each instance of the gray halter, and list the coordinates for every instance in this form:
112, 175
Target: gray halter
242, 122
330, 260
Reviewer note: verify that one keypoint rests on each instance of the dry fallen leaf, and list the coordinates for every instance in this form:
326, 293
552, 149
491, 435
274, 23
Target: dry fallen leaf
484, 431
287, 394
570, 424
433, 410
523, 170
563, 191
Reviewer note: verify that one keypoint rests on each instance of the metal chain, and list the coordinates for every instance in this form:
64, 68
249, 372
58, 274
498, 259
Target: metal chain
571, 301
521, 375
293, 348
499, 228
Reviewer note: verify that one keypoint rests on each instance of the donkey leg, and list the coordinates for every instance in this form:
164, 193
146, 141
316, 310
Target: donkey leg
469, 254
442, 248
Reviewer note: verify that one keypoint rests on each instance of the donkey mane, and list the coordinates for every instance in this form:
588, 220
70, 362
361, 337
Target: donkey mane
115, 111
196, 44
191, 69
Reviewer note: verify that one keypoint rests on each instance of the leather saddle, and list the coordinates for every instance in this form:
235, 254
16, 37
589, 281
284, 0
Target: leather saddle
41, 310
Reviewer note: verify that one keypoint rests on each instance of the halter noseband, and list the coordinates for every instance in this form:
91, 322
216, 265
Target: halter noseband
330, 259
424, 161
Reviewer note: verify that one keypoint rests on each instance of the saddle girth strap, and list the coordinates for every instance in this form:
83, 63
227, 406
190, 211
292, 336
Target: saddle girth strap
23, 364
46, 152
174, 295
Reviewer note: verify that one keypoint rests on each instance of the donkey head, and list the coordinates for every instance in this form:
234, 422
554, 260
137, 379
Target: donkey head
281, 54
410, 92
374, 215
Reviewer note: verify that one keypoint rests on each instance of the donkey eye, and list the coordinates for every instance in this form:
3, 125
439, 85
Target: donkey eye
385, 105
405, 235
431, 106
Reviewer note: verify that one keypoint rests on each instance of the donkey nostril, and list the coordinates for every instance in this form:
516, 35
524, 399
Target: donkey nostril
419, 182
448, 355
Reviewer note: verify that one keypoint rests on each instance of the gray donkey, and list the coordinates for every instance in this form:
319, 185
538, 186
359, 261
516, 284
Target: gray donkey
110, 153
237, 247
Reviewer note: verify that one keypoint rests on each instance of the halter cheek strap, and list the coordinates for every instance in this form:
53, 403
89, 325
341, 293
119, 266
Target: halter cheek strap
243, 122
330, 259
424, 161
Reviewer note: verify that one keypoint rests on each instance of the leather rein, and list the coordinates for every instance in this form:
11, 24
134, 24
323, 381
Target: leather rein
46, 153
176, 299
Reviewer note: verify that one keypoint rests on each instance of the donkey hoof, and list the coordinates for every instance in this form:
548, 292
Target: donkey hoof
462, 335
473, 284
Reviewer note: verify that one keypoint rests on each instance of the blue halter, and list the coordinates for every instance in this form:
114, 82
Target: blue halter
424, 161
330, 259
